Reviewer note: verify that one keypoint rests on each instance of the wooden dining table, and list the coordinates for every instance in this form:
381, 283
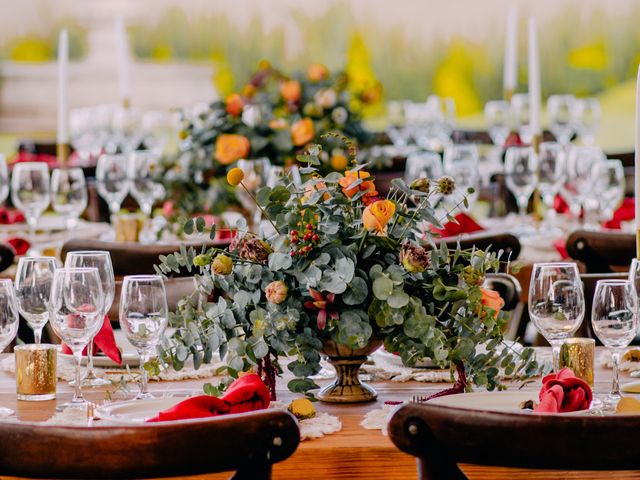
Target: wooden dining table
352, 453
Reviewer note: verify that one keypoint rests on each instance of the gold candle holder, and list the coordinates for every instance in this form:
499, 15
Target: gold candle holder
36, 372
579, 355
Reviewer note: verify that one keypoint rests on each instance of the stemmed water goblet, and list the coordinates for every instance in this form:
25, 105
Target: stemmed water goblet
144, 188
559, 108
143, 318
9, 321
76, 314
30, 191
551, 173
497, 114
462, 163
521, 174
614, 318
579, 179
34, 278
556, 303
112, 180
586, 113
69, 194
610, 187
520, 114
100, 260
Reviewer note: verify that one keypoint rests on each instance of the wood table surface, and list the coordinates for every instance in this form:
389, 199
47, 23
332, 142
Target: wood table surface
353, 453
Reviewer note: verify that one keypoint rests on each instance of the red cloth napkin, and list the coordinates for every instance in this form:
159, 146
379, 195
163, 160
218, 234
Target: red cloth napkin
465, 224
564, 392
9, 216
20, 245
104, 341
624, 213
246, 394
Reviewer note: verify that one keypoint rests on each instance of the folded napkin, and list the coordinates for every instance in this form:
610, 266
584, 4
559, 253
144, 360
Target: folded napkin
24, 156
624, 213
563, 392
463, 224
9, 216
104, 341
246, 394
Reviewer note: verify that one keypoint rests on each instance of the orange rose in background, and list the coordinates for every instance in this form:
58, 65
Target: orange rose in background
230, 147
376, 216
491, 299
317, 72
277, 124
302, 132
351, 176
311, 188
249, 91
234, 104
291, 90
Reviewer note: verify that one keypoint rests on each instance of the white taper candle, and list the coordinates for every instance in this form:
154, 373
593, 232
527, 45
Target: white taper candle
534, 80
63, 74
510, 74
122, 48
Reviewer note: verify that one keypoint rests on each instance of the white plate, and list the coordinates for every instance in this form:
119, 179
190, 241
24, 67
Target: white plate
507, 401
135, 412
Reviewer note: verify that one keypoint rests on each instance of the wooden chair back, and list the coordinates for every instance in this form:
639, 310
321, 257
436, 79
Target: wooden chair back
600, 251
507, 242
248, 444
441, 437
507, 286
7, 256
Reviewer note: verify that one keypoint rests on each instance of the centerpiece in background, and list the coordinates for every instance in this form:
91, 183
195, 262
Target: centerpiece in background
343, 272
274, 117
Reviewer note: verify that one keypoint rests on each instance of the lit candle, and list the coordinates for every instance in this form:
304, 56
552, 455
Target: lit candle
637, 165
534, 83
510, 79
63, 67
122, 46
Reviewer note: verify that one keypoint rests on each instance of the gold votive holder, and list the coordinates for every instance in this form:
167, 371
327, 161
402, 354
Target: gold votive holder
127, 227
578, 354
36, 371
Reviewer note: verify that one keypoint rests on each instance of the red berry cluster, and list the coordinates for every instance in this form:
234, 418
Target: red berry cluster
303, 242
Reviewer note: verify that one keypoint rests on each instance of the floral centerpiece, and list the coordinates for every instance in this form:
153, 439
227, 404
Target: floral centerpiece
274, 116
344, 272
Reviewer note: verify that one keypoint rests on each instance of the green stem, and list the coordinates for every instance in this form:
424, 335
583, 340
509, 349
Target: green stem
261, 209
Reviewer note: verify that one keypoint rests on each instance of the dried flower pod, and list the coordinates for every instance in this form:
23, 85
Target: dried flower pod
446, 185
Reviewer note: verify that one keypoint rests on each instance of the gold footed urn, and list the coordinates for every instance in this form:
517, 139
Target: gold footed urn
347, 387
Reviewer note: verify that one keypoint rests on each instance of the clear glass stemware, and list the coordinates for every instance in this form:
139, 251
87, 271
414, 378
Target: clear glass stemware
497, 114
30, 191
69, 194
112, 180
551, 174
9, 322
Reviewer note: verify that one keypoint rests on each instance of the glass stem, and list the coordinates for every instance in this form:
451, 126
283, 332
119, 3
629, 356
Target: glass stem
91, 375
32, 220
77, 394
523, 203
144, 358
615, 385
37, 335
555, 350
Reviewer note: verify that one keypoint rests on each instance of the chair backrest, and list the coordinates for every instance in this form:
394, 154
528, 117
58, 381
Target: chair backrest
441, 437
134, 258
7, 255
507, 242
599, 251
507, 286
176, 288
247, 443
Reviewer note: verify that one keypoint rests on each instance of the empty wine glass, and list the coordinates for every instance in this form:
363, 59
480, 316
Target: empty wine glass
614, 318
69, 194
9, 321
143, 318
81, 132
76, 311
423, 165
461, 162
556, 303
30, 191
127, 129
610, 187
498, 117
112, 180
520, 113
559, 108
102, 262
34, 277
521, 174
4, 179
144, 188
586, 113
580, 180
551, 173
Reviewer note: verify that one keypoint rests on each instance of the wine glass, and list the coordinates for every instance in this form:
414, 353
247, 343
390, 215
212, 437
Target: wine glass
586, 113
144, 188
551, 173
33, 290
461, 163
4, 179
610, 188
127, 129
559, 108
81, 132
112, 180
498, 117
30, 190
76, 312
521, 174
520, 105
9, 321
143, 318
556, 303
614, 318
69, 194
580, 179
423, 165
102, 262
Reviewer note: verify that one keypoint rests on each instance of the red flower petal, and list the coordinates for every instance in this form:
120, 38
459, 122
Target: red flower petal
322, 319
315, 295
310, 305
331, 297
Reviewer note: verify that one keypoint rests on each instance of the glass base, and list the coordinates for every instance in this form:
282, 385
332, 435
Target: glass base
81, 404
144, 396
41, 397
6, 412
91, 382
611, 400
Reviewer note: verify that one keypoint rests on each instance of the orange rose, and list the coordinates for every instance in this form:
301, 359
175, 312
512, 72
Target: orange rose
234, 104
230, 147
277, 124
491, 300
302, 132
350, 176
317, 72
376, 216
311, 188
291, 90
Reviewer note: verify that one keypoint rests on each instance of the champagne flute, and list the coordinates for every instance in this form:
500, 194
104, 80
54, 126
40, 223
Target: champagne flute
614, 318
69, 194
100, 260
34, 277
112, 180
143, 318
9, 321
30, 191
76, 312
556, 303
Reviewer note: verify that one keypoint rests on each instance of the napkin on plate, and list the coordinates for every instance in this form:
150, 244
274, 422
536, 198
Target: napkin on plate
563, 392
104, 341
246, 394
463, 224
9, 216
624, 213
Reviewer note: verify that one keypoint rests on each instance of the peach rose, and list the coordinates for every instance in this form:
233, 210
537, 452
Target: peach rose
317, 72
291, 90
311, 188
302, 132
376, 216
231, 147
491, 299
277, 124
234, 104
351, 176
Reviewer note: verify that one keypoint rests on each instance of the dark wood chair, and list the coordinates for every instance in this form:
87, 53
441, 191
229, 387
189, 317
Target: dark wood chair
600, 251
134, 258
589, 281
7, 256
441, 437
487, 241
248, 444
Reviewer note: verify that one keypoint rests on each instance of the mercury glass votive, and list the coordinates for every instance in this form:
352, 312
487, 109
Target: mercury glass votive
127, 227
36, 371
578, 354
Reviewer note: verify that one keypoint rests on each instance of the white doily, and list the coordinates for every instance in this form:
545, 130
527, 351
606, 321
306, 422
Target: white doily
317, 427
378, 418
